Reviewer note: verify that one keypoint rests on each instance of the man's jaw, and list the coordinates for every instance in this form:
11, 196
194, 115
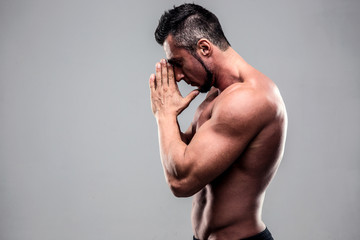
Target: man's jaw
205, 87
210, 81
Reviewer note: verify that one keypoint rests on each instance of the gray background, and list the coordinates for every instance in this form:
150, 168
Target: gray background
78, 142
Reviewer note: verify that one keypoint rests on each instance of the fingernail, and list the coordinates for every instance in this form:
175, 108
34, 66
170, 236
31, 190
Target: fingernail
163, 61
158, 65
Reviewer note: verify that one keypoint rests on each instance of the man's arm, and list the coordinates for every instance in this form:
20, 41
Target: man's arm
216, 144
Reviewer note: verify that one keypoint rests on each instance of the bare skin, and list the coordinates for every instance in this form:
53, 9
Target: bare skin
231, 151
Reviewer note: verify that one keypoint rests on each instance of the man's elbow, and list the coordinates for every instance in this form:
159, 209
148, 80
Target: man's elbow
181, 189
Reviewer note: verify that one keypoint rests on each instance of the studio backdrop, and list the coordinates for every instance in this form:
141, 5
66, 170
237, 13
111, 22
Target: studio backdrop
79, 154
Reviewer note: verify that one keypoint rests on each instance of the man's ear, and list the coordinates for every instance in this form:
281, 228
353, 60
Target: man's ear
204, 47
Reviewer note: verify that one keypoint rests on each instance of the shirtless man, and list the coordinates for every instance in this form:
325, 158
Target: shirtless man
235, 143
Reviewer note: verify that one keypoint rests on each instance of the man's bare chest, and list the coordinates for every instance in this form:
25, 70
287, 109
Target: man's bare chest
204, 111
203, 116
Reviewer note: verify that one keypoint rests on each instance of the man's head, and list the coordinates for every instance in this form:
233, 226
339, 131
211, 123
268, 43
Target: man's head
182, 31
188, 23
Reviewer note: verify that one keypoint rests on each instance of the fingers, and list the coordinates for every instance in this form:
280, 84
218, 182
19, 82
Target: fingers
161, 73
171, 78
164, 73
164, 92
158, 75
152, 82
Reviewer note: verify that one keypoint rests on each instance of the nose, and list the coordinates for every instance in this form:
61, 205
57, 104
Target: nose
179, 75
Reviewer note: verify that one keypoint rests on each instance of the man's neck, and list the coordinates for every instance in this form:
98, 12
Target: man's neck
230, 68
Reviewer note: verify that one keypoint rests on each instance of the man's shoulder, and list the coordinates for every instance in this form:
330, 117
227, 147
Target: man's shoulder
243, 104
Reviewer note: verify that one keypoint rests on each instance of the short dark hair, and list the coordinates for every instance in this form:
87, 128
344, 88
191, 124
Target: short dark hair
188, 23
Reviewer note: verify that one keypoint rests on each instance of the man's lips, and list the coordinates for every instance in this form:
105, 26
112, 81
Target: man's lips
187, 82
190, 83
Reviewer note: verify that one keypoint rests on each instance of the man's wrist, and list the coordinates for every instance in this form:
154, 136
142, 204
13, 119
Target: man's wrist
168, 118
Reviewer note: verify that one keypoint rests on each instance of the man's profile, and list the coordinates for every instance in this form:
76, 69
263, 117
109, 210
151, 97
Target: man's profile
234, 145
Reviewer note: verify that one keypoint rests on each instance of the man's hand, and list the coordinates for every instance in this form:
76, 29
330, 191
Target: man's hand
166, 99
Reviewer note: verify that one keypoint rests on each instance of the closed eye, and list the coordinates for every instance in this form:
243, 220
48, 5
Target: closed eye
175, 62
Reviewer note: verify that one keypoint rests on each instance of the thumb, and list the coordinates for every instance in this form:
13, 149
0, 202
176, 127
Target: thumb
191, 96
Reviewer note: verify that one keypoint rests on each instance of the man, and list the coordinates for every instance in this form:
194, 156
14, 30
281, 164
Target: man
235, 143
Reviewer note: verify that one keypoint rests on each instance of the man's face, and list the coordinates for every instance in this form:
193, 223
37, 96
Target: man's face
187, 67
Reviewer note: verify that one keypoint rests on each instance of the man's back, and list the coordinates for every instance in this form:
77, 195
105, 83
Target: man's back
229, 207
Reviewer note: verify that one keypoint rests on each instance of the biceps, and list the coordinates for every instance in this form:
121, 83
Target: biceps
211, 151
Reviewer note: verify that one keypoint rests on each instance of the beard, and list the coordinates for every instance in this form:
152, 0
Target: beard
209, 82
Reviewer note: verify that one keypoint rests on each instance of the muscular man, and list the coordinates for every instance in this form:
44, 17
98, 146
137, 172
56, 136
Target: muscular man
235, 143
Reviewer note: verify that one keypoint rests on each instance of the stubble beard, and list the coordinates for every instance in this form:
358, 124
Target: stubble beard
209, 82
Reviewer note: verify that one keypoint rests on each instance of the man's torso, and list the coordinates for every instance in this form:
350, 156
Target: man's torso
230, 206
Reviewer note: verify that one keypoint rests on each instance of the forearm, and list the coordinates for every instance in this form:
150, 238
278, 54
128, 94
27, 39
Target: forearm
166, 104
172, 147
